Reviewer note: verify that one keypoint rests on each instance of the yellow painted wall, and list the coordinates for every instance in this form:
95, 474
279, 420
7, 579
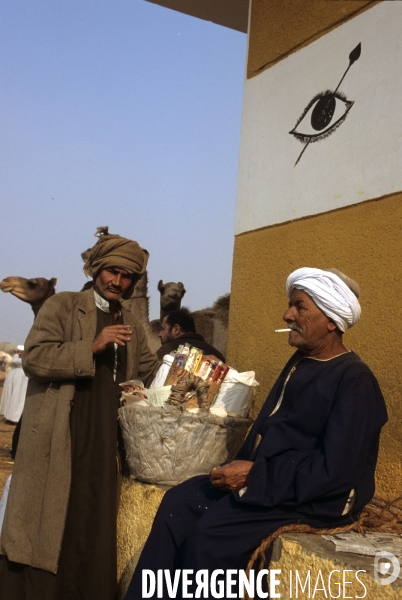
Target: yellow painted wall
280, 27
364, 241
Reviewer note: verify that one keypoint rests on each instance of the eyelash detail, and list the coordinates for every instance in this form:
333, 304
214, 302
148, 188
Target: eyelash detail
323, 116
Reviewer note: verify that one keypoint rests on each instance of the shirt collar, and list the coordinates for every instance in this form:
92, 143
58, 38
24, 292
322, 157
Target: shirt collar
101, 303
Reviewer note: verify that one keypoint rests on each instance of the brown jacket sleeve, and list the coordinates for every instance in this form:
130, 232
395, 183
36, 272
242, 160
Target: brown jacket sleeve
49, 354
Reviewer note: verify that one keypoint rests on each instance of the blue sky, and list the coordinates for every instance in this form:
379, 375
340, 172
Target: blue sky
124, 114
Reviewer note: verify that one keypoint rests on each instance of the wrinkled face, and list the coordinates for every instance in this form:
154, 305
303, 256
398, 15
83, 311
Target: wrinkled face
165, 333
310, 327
112, 283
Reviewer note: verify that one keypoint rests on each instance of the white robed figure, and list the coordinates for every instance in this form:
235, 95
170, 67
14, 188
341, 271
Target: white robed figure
14, 391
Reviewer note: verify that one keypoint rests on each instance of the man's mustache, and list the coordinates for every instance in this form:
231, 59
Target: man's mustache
114, 288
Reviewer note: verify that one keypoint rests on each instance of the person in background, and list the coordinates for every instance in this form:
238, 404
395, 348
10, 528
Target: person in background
178, 328
59, 529
14, 391
309, 458
5, 360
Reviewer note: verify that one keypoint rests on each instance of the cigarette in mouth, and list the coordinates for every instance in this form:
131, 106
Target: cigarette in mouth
282, 330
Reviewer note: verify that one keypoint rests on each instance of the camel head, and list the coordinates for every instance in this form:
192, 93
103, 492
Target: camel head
34, 291
171, 295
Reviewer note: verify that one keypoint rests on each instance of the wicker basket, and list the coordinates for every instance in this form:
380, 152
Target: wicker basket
166, 446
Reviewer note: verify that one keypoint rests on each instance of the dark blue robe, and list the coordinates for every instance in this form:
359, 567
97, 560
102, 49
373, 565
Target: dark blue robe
320, 444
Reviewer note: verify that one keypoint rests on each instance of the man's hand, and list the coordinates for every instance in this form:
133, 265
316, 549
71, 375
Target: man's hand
232, 476
114, 334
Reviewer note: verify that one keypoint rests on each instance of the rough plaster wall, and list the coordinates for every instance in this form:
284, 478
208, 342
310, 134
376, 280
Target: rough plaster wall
138, 505
364, 241
295, 556
278, 28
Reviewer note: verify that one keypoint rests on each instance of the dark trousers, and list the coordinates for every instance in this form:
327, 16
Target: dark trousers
200, 527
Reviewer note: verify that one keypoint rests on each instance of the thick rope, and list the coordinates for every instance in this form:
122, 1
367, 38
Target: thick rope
379, 515
187, 387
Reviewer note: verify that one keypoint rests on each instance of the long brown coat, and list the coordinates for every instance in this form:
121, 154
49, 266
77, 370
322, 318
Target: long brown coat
58, 351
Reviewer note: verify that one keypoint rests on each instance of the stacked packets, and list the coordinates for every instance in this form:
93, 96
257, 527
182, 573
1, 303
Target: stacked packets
190, 359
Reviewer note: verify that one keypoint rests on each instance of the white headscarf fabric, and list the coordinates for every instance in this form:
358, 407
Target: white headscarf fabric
330, 294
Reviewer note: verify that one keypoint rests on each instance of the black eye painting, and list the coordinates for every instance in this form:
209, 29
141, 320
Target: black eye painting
325, 112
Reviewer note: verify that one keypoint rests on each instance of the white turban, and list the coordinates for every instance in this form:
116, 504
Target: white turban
330, 294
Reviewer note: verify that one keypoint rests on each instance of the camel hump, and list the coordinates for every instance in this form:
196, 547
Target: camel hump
221, 307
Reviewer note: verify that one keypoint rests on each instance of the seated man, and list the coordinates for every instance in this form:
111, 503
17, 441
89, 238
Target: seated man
309, 458
178, 328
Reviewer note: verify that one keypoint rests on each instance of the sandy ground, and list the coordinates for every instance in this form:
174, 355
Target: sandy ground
6, 463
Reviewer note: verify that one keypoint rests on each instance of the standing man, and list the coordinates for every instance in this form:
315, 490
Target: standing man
5, 360
178, 328
59, 531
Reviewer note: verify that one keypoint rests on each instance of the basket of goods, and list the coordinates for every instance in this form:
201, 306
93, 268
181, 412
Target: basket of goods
174, 432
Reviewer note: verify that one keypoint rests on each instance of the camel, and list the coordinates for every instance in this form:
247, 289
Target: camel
211, 323
34, 291
139, 306
171, 296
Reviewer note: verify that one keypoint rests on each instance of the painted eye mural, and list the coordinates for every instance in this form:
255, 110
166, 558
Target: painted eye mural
322, 116
324, 113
